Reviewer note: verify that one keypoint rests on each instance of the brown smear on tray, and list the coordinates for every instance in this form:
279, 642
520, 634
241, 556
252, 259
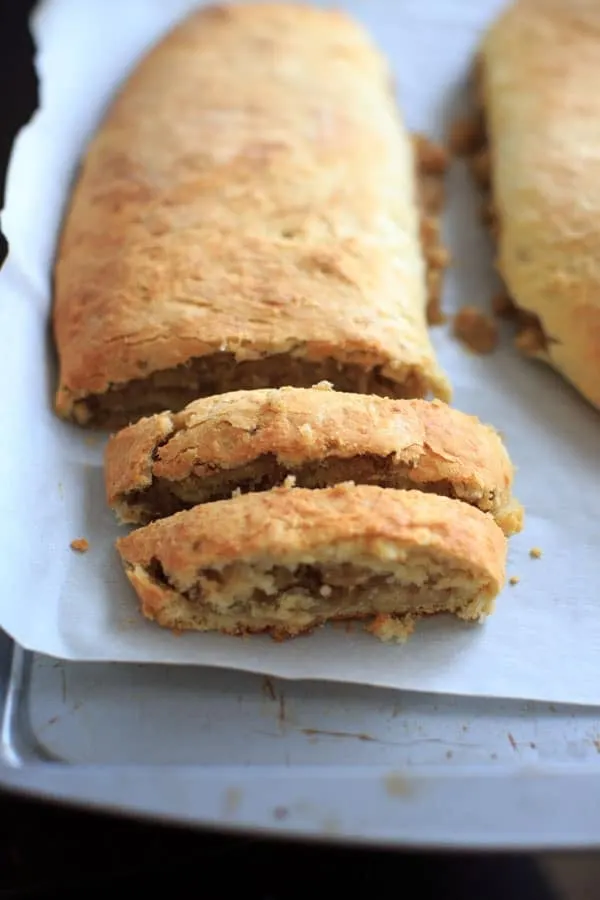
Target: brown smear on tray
232, 800
359, 736
281, 713
397, 785
268, 689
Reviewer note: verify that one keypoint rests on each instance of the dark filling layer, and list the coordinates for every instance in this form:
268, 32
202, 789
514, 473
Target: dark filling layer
286, 601
163, 497
328, 586
219, 372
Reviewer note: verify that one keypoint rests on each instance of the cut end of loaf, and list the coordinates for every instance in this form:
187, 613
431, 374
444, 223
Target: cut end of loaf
221, 372
287, 601
292, 559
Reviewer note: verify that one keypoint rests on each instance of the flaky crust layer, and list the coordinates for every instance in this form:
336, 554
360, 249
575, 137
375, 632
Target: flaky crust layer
540, 72
250, 193
290, 527
428, 443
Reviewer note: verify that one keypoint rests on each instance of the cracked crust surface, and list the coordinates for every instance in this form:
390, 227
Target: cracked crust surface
253, 440
540, 65
286, 560
250, 196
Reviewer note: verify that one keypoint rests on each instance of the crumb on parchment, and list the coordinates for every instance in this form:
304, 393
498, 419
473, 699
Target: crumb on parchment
432, 158
466, 135
503, 307
437, 256
478, 331
481, 167
514, 579
391, 628
80, 545
535, 553
489, 217
530, 340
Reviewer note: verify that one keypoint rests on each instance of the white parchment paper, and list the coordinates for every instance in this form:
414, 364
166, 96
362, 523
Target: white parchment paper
544, 640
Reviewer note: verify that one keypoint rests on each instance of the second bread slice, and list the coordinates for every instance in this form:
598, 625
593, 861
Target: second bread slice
254, 440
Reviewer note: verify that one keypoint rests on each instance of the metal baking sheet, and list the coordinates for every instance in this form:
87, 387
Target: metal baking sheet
334, 762
329, 761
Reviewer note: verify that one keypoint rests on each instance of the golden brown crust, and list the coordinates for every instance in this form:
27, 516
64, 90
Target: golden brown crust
180, 564
539, 86
419, 444
250, 193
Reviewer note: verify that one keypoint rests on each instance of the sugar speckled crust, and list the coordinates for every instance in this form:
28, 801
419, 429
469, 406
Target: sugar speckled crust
355, 524
540, 74
250, 193
425, 442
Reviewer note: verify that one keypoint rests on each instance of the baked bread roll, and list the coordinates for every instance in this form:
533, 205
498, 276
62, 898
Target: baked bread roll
254, 440
245, 217
286, 560
538, 74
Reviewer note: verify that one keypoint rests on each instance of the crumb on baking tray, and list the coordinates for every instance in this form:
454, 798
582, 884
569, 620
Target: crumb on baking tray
478, 331
80, 545
514, 579
535, 553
